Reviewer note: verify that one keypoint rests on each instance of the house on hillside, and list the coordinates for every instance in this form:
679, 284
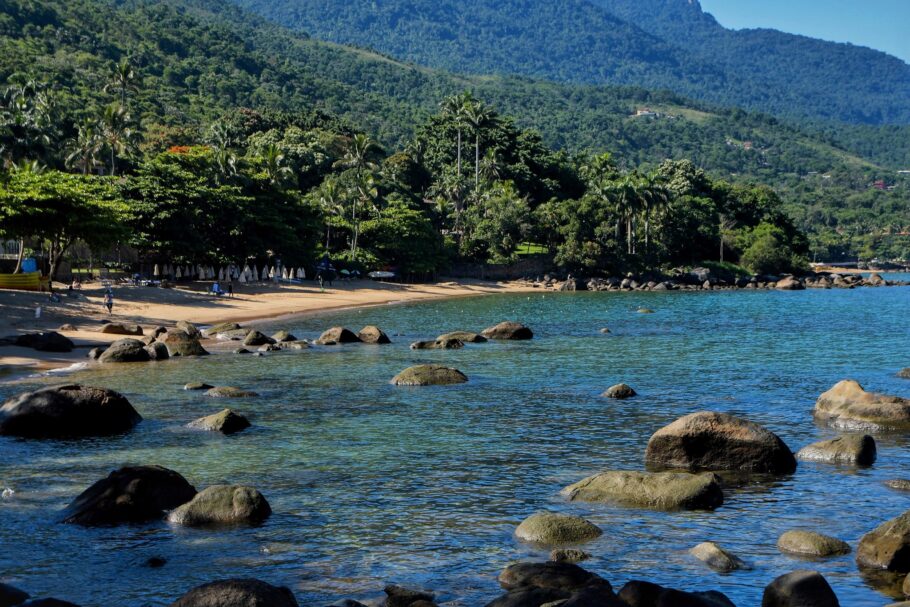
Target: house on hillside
645, 113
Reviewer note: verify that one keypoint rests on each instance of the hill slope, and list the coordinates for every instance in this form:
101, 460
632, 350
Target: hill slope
668, 44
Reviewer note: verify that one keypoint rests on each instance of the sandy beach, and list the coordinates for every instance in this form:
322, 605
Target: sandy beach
151, 307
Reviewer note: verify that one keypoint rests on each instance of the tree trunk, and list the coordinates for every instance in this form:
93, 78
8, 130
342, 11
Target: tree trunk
459, 151
113, 163
629, 234
477, 162
21, 255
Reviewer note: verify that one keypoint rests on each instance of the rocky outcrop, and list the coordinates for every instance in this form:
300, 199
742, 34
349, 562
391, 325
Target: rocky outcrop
222, 505
429, 375
225, 421
853, 449
463, 336
133, 494
799, 589
112, 328
619, 392
67, 411
717, 441
646, 594
125, 351
373, 335
229, 392
44, 341
237, 593
551, 528
717, 558
810, 543
660, 491
439, 344
508, 331
887, 546
337, 335
847, 405
257, 338
180, 343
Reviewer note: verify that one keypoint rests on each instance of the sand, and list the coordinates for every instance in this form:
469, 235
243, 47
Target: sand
151, 307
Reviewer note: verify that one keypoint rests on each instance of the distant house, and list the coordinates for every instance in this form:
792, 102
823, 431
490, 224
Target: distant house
747, 145
880, 185
646, 112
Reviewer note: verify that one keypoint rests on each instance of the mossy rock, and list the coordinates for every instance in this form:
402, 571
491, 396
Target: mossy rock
550, 528
656, 490
229, 392
125, 351
854, 449
180, 343
620, 392
222, 505
283, 336
717, 558
467, 337
508, 330
257, 338
225, 421
429, 375
810, 543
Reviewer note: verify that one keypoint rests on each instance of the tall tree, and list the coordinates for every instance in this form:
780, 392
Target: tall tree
455, 106
118, 133
85, 148
478, 116
123, 80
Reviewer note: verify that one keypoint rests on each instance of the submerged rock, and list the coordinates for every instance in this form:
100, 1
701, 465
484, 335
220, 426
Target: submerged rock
229, 392
222, 505
225, 421
717, 558
463, 336
887, 546
660, 490
646, 594
299, 344
553, 528
429, 375
67, 411
717, 441
373, 335
256, 338
112, 328
125, 351
899, 484
180, 343
568, 555
337, 335
439, 344
197, 385
237, 593
550, 574
853, 449
810, 543
508, 331
620, 392
134, 494
44, 341
904, 373
848, 405
799, 589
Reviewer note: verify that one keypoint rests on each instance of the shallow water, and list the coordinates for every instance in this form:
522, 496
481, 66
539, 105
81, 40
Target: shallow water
371, 483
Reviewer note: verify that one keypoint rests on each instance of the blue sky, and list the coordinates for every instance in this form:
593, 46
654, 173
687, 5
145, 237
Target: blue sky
880, 24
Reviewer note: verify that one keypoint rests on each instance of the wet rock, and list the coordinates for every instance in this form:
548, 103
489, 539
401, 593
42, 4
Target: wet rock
182, 344
620, 392
156, 562
125, 351
373, 335
348, 603
854, 449
229, 392
645, 311
95, 353
66, 327
225, 421
222, 505
158, 331
810, 543
429, 375
44, 341
646, 594
283, 336
508, 331
399, 596
904, 373
661, 490
116, 328
439, 344
233, 334
242, 351
463, 336
269, 348
887, 546
198, 385
157, 351
717, 558
337, 335
847, 405
133, 494
717, 441
237, 593
550, 574
568, 555
553, 528
530, 597
10, 596
188, 328
295, 345
51, 602
799, 589
67, 411
221, 328
256, 338
876, 280
789, 284
899, 484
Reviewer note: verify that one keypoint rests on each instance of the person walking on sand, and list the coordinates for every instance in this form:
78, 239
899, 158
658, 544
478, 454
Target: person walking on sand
109, 301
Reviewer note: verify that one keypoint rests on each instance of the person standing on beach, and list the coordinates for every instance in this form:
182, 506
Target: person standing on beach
231, 288
109, 301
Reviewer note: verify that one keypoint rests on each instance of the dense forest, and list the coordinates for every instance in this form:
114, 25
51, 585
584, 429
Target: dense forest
193, 63
657, 44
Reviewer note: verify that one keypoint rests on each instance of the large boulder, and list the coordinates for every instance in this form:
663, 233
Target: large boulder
620, 392
373, 335
220, 328
125, 351
11, 596
283, 336
225, 421
848, 406
238, 334
789, 284
549, 574
646, 594
853, 449
134, 494
157, 351
887, 546
180, 343
552, 528
237, 593
810, 543
337, 335
463, 336
49, 602
717, 441
531, 597
508, 330
717, 558
116, 328
439, 344
223, 505
44, 341
257, 338
799, 589
229, 392
660, 490
429, 375
188, 328
67, 411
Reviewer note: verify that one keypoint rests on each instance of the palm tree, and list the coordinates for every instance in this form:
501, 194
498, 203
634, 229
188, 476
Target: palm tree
449, 191
628, 200
368, 193
725, 229
478, 116
358, 154
27, 124
220, 139
273, 164
654, 198
455, 106
123, 80
331, 199
490, 167
85, 148
118, 134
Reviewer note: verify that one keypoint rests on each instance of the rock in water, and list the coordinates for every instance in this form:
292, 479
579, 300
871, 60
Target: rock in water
904, 373
125, 351
810, 543
226, 422
552, 528
283, 336
237, 593
853, 449
157, 351
50, 602
399, 596
337, 335
789, 284
439, 344
10, 596
799, 589
661, 490
198, 385
95, 353
550, 574
464, 337
130, 495
847, 405
717, 441
508, 331
182, 344
67, 411
223, 505
717, 558
429, 375
121, 329
887, 546
256, 338
221, 328
620, 392
646, 594
898, 484
229, 392
373, 335
45, 341
531, 597
568, 555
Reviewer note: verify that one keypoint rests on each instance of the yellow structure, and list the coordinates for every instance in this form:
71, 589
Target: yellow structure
29, 281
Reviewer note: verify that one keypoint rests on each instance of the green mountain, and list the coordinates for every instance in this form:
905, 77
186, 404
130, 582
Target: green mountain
670, 44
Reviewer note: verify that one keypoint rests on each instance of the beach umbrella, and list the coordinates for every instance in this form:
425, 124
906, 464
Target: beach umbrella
301, 273
255, 273
264, 275
155, 271
242, 279
221, 274
284, 274
179, 273
169, 270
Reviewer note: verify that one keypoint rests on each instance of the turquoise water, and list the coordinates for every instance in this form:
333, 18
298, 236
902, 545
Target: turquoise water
372, 483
